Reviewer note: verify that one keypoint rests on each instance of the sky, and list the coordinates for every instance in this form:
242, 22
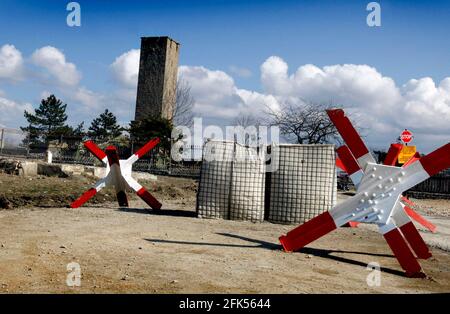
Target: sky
239, 57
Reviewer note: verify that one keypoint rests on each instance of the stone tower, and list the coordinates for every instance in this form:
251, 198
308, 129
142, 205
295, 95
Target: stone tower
158, 69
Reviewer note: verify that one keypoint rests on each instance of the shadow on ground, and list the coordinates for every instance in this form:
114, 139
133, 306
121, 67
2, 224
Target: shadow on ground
260, 244
161, 212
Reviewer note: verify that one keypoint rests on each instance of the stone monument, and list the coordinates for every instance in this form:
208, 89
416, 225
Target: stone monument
158, 69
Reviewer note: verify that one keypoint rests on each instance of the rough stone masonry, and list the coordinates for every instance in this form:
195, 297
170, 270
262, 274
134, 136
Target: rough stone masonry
158, 69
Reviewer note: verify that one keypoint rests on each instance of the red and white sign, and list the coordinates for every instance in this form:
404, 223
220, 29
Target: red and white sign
406, 136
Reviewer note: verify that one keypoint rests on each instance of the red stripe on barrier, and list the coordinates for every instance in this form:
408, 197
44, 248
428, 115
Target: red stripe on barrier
403, 254
348, 159
415, 240
113, 156
340, 165
308, 232
392, 155
417, 217
149, 199
147, 147
351, 224
84, 198
407, 200
95, 150
348, 132
437, 160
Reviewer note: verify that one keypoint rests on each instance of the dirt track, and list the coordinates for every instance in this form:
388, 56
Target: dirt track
132, 251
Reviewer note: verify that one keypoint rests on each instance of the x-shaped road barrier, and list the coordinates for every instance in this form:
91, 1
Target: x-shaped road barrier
377, 201
347, 162
118, 174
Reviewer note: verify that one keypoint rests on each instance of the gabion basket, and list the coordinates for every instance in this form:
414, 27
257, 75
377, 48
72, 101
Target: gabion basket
302, 184
232, 181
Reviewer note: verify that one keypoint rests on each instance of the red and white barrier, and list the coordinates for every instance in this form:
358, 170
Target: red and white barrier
377, 201
118, 174
355, 173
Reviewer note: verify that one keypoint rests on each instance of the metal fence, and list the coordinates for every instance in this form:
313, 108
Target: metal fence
14, 143
438, 186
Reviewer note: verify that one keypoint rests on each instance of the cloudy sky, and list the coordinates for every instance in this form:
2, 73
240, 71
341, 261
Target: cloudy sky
238, 56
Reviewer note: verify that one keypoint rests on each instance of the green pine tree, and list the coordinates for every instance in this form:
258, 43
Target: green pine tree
79, 130
105, 127
47, 123
144, 130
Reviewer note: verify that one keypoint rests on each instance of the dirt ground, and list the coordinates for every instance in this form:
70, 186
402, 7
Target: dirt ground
43, 191
133, 251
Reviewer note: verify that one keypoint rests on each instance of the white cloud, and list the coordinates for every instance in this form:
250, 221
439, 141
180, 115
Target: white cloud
353, 85
126, 68
54, 61
215, 92
87, 97
420, 105
68, 79
426, 105
14, 111
217, 96
240, 71
257, 102
383, 106
11, 63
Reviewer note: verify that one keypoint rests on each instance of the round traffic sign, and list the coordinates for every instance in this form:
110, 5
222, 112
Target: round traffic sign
406, 136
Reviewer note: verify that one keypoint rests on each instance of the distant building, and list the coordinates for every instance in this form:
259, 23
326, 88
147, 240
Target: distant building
158, 69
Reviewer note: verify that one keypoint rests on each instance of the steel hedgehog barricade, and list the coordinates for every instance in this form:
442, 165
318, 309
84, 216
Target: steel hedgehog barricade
378, 200
118, 174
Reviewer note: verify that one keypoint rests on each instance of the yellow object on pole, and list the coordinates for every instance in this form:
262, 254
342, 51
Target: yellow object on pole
406, 154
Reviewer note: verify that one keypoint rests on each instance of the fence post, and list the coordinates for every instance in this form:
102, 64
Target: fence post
28, 143
1, 141
231, 176
170, 156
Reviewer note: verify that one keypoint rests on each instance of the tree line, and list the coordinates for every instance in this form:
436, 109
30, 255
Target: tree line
49, 123
301, 123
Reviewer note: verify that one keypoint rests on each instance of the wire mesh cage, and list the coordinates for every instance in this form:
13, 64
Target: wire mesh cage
303, 183
247, 188
231, 182
215, 180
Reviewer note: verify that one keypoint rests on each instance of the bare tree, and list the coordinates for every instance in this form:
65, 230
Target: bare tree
245, 120
182, 113
304, 123
247, 128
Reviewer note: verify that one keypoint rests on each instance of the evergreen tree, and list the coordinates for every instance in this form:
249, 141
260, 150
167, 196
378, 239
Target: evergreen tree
47, 123
105, 127
143, 130
79, 130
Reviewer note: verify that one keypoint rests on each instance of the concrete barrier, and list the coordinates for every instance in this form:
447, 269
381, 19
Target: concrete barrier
33, 168
28, 169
